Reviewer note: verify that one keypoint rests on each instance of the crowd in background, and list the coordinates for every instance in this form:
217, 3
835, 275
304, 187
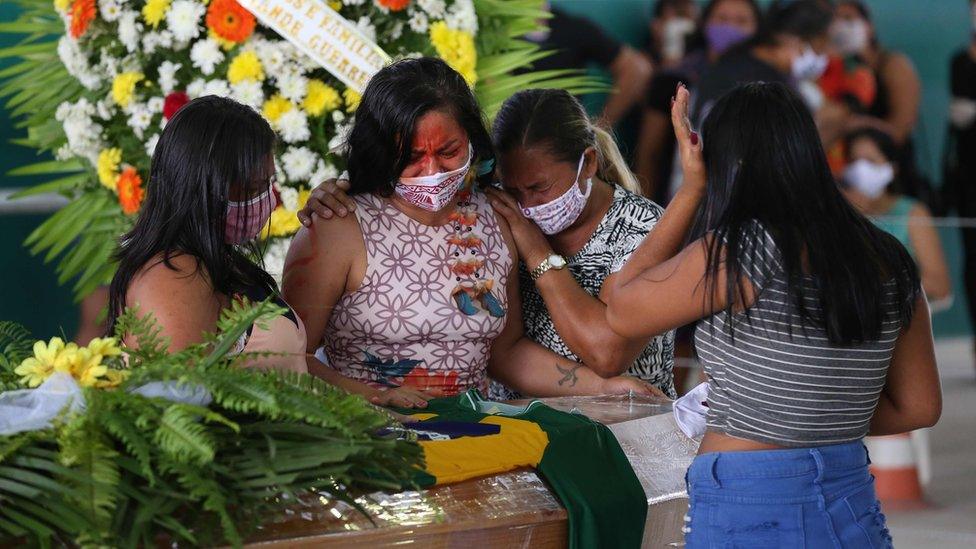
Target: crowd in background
864, 96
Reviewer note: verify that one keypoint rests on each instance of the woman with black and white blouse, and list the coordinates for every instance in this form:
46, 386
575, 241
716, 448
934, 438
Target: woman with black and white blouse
576, 216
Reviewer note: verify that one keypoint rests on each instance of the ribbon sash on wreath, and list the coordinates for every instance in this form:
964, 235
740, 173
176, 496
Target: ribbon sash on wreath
325, 36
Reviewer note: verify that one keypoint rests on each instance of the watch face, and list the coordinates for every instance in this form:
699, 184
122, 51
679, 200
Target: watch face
557, 261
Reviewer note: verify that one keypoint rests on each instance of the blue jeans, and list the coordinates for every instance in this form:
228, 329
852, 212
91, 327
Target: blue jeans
805, 498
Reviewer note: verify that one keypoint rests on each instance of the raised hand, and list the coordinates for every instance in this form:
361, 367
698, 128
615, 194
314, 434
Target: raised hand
689, 142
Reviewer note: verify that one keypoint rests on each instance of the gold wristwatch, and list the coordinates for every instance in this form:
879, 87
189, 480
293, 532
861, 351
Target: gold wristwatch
554, 261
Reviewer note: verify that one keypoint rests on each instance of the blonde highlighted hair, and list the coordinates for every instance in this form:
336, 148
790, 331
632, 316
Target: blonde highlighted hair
557, 121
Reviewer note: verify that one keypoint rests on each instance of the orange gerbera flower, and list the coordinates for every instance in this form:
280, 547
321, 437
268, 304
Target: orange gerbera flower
230, 21
130, 190
394, 5
82, 14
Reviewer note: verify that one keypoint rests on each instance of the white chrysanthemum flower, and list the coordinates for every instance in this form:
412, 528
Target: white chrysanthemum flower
183, 19
365, 26
289, 198
248, 92
462, 17
434, 8
216, 87
396, 31
167, 76
338, 142
323, 171
274, 258
80, 130
76, 63
293, 126
338, 116
298, 162
353, 2
109, 64
206, 55
292, 86
130, 30
418, 22
140, 117
151, 41
151, 144
272, 57
155, 104
105, 109
195, 89
110, 10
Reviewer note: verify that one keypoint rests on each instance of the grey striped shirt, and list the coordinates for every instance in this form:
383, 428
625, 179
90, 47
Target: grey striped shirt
780, 380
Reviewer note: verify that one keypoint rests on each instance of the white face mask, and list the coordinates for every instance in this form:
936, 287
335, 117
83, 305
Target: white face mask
433, 192
850, 37
868, 178
675, 34
809, 65
555, 216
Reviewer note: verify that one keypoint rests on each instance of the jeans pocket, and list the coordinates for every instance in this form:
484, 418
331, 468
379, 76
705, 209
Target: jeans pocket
858, 522
754, 526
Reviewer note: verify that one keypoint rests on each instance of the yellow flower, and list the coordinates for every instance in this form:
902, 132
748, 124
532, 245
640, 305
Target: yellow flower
108, 166
284, 222
112, 379
86, 367
155, 11
124, 87
245, 66
104, 347
275, 107
456, 48
61, 5
321, 98
335, 4
352, 99
48, 358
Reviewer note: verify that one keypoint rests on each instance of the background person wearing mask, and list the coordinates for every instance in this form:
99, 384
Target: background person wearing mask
673, 23
724, 24
895, 104
577, 42
872, 183
790, 47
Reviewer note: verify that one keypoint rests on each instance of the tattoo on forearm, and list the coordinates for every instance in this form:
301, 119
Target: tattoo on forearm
569, 374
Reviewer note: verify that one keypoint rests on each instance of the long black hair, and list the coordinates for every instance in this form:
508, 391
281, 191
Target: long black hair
556, 121
379, 144
212, 146
765, 164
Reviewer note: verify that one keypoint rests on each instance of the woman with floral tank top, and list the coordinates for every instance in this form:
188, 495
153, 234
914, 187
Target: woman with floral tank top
417, 294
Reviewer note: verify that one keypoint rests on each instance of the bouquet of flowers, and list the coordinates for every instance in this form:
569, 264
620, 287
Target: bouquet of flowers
98, 96
184, 448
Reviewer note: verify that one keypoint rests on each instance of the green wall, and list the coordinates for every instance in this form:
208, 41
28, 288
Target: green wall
928, 31
30, 293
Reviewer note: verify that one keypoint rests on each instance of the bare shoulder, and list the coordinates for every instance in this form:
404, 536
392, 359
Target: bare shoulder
898, 65
158, 280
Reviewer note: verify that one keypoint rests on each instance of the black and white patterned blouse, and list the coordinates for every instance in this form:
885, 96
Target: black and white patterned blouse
621, 231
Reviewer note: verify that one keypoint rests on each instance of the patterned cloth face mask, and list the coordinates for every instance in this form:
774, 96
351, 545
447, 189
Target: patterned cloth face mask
433, 192
244, 220
555, 216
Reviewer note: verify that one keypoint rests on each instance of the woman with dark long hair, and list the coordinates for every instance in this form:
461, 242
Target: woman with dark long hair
815, 331
575, 211
189, 254
417, 294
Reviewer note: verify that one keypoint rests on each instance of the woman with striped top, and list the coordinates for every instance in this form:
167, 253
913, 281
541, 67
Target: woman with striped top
815, 331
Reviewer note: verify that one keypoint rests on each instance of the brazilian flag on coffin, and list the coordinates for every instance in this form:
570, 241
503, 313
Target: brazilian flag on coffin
578, 458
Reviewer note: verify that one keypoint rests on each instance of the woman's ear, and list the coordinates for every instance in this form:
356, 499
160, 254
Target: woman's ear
591, 164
